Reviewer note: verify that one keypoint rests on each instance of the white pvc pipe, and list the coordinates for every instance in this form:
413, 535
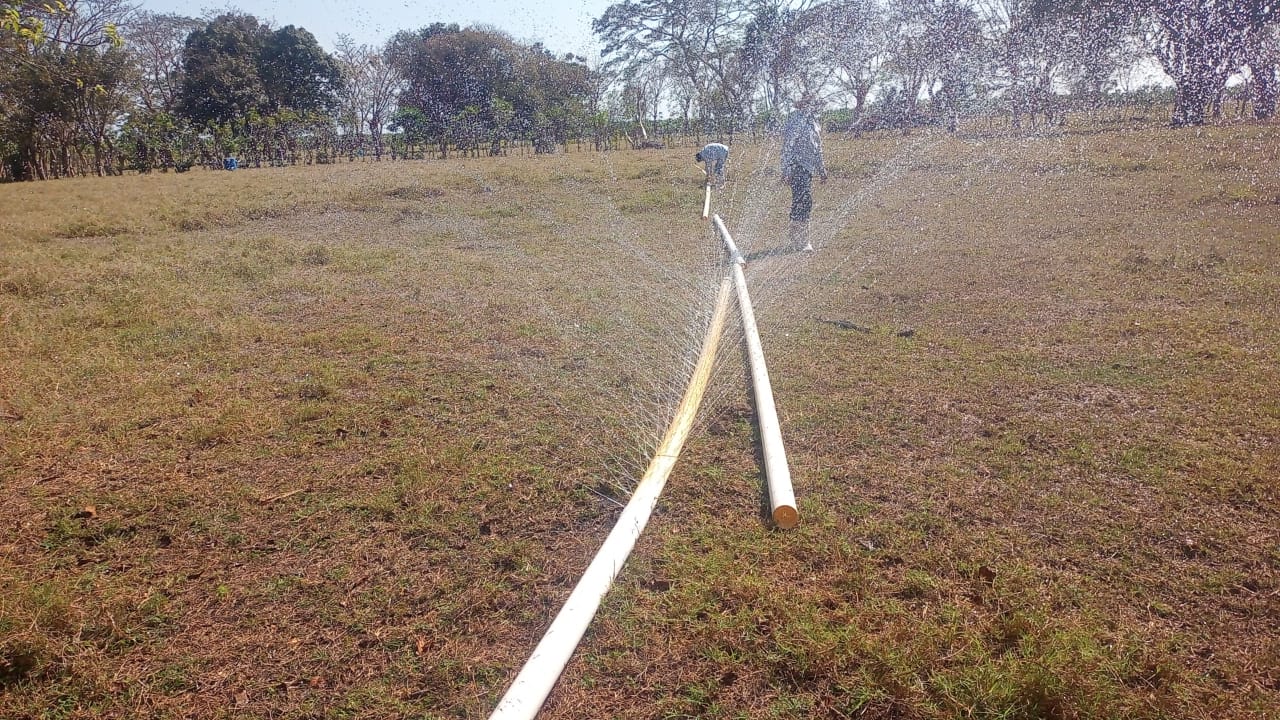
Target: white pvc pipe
734, 256
782, 499
538, 676
706, 204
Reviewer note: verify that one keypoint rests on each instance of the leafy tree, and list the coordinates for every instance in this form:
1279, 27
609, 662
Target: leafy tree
1200, 43
153, 140
779, 53
790, 51
412, 125
65, 102
549, 97
100, 99
856, 40
959, 53
221, 80
265, 84
296, 73
938, 50
26, 25
641, 95
64, 91
699, 42
153, 135
21, 24
451, 77
766, 51
462, 85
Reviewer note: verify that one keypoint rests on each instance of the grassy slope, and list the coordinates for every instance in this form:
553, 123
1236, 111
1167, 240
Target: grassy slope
1056, 498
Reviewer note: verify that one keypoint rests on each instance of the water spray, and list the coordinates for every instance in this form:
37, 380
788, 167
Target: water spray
538, 676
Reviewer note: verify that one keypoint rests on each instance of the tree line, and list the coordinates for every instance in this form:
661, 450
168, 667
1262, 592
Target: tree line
100, 87
97, 87
903, 62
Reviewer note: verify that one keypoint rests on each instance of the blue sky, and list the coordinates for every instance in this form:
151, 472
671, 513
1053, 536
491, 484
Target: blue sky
562, 25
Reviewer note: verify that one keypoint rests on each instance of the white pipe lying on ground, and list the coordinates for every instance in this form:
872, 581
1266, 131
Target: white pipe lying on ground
534, 682
706, 204
735, 257
782, 499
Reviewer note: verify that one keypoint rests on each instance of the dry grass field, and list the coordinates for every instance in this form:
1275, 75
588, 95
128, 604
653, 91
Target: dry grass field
335, 442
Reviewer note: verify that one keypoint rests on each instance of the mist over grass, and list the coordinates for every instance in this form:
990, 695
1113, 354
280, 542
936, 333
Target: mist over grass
337, 442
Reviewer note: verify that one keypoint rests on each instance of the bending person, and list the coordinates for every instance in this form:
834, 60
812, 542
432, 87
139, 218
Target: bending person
801, 160
714, 155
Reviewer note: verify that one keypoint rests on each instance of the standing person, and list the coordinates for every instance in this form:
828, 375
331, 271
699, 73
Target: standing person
801, 160
715, 156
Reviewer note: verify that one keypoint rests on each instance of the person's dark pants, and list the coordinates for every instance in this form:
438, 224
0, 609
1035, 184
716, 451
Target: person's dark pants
801, 193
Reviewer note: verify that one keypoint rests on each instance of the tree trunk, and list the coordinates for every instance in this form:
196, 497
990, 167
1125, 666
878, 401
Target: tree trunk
375, 134
1264, 91
860, 96
1199, 75
1190, 100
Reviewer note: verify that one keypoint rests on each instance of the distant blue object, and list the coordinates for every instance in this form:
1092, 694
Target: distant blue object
230, 164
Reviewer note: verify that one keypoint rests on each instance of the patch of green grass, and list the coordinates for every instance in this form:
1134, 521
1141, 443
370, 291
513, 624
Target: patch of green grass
92, 228
653, 200
317, 255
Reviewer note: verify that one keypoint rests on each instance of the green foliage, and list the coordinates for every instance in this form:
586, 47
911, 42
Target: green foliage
221, 81
63, 95
474, 86
80, 95
253, 90
18, 22
236, 65
297, 73
158, 140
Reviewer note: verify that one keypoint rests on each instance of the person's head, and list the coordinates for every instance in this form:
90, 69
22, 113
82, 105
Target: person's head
808, 102
697, 157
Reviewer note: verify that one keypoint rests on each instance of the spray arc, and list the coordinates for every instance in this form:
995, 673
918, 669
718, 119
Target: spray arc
538, 676
534, 682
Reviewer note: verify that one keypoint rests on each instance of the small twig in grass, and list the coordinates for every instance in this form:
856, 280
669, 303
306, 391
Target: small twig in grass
44, 479
272, 498
843, 324
949, 656
359, 581
606, 497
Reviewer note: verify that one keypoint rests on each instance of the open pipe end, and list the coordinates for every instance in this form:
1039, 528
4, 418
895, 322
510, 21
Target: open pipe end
786, 517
